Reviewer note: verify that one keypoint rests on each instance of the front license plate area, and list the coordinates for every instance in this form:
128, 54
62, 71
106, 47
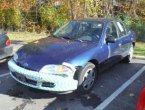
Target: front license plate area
20, 77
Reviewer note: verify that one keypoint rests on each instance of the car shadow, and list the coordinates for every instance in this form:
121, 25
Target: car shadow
102, 90
3, 66
61, 100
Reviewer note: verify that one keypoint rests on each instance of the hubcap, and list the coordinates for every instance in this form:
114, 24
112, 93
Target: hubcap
88, 79
131, 53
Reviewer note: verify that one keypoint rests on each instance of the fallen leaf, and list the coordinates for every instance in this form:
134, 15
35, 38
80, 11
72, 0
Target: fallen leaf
131, 95
58, 109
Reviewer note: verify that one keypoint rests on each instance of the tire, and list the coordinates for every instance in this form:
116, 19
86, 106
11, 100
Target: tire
87, 78
129, 57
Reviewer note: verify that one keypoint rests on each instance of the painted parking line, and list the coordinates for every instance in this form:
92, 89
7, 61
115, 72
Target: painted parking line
107, 101
3, 75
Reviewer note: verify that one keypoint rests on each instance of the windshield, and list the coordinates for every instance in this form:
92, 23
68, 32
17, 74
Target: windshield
80, 30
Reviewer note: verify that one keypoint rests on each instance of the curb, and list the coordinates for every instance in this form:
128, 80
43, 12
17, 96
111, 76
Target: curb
139, 57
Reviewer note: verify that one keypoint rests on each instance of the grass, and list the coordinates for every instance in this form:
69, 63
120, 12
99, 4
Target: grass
25, 36
140, 49
29, 37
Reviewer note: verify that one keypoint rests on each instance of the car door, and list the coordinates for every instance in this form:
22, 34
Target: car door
114, 48
124, 38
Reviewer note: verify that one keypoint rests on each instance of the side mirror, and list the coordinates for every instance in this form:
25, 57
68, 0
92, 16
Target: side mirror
110, 39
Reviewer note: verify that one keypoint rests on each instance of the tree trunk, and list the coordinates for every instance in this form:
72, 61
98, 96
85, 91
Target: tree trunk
72, 4
84, 9
132, 10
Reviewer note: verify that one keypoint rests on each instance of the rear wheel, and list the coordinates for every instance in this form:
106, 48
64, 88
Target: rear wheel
129, 57
87, 78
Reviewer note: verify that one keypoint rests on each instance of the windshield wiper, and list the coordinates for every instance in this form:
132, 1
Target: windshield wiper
54, 36
69, 38
65, 37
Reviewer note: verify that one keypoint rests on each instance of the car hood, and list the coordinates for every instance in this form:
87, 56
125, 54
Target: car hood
50, 50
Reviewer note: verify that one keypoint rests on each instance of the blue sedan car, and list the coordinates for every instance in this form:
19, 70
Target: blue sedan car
72, 57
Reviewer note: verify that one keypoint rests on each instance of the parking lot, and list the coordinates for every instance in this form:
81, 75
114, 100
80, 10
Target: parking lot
111, 91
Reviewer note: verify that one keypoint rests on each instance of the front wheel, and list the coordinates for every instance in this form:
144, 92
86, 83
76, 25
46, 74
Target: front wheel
87, 78
129, 57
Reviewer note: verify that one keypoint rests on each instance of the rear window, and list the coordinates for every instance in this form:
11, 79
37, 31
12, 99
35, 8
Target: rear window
122, 29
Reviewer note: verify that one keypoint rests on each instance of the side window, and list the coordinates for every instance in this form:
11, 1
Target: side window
111, 30
122, 29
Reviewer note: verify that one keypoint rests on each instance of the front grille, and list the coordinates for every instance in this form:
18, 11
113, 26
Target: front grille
19, 76
23, 78
31, 81
48, 84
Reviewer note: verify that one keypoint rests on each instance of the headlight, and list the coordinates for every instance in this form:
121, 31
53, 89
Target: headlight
15, 57
59, 70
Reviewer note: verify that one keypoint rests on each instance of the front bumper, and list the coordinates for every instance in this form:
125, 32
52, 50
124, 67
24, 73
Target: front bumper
6, 52
41, 81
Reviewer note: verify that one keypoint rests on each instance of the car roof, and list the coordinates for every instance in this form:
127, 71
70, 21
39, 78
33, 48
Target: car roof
98, 19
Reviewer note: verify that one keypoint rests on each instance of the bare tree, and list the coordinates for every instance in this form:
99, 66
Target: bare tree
84, 9
133, 8
107, 7
72, 4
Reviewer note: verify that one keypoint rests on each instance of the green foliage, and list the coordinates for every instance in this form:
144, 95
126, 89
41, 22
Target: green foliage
13, 17
2, 18
10, 17
125, 18
139, 49
138, 26
51, 17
